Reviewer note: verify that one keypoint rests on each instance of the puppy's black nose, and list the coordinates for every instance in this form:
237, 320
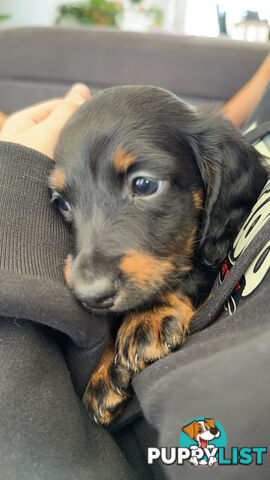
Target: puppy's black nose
98, 294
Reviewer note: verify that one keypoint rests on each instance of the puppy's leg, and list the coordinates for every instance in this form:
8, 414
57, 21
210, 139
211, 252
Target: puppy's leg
142, 338
108, 388
149, 335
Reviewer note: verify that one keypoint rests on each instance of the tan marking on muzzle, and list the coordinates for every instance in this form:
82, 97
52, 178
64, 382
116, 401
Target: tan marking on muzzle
144, 269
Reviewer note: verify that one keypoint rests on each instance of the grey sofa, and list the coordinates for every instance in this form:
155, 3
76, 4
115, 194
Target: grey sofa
37, 63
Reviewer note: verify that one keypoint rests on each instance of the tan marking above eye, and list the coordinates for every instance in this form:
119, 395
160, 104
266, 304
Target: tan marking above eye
144, 268
57, 179
122, 160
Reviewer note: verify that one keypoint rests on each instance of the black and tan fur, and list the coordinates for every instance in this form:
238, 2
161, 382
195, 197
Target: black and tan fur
155, 257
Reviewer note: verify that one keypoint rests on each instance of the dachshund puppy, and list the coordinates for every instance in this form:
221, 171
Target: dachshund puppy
156, 193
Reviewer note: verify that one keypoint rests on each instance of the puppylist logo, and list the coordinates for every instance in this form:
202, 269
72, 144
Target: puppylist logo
203, 437
202, 442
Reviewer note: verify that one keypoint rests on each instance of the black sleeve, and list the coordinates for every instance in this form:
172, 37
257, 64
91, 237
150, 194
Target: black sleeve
45, 432
34, 243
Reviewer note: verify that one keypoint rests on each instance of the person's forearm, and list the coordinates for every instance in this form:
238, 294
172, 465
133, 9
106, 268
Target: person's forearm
241, 105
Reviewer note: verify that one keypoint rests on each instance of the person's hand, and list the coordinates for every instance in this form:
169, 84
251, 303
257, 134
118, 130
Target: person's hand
38, 126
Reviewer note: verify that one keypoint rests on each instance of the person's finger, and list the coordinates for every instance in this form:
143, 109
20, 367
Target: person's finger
43, 137
59, 116
28, 117
79, 90
38, 126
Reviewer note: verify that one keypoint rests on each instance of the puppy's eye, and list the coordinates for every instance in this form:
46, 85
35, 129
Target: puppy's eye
145, 187
62, 205
200, 430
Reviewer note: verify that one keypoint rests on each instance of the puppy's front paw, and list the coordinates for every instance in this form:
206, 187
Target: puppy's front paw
147, 336
107, 392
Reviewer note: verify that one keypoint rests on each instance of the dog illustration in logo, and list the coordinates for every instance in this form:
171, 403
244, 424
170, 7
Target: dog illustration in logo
202, 431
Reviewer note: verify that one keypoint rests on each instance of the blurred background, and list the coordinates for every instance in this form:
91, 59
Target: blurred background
241, 19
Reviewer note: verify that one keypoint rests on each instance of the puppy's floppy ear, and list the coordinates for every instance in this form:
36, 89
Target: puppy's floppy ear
233, 178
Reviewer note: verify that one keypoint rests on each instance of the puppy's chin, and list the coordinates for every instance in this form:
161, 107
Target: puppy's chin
128, 300
125, 302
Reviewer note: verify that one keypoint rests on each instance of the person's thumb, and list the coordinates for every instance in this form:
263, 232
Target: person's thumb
79, 90
57, 119
47, 132
75, 97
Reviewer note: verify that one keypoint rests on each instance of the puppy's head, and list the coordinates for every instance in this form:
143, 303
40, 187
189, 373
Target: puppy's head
138, 176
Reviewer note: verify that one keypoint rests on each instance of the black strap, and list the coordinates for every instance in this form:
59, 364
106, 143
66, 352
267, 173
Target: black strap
258, 132
219, 294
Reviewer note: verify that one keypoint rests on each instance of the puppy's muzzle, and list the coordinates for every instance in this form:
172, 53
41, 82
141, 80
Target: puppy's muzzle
97, 295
